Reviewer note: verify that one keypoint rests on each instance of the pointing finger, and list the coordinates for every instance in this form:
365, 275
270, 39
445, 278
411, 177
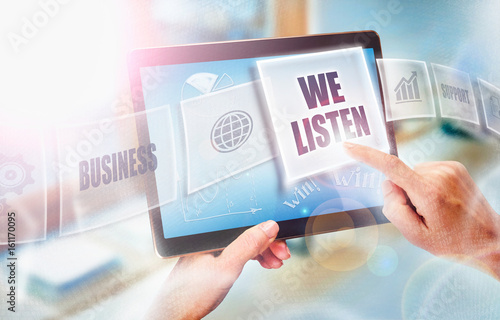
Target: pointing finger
390, 165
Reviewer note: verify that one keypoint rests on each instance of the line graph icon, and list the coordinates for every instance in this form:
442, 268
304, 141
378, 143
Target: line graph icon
407, 89
228, 201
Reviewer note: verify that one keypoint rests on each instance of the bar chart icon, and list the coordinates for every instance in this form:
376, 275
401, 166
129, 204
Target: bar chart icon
407, 89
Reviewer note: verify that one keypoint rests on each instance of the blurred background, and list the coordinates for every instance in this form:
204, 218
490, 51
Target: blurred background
64, 65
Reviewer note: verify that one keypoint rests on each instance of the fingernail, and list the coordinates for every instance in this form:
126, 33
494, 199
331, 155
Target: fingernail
348, 145
270, 228
386, 187
288, 250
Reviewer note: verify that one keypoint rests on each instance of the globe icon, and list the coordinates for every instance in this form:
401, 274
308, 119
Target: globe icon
231, 131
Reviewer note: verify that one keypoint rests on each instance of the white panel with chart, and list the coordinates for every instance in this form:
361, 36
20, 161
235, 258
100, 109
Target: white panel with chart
407, 89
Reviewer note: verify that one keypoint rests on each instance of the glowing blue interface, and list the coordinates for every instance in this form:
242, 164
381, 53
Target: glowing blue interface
227, 168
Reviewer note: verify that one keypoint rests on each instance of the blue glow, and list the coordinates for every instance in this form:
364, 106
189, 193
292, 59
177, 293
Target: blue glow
383, 262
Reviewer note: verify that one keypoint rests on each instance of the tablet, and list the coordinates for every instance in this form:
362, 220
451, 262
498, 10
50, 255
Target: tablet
209, 117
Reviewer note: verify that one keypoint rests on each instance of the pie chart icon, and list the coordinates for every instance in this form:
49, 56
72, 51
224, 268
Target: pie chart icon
202, 83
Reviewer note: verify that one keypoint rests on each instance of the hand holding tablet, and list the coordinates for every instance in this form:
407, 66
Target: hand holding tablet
237, 118
207, 277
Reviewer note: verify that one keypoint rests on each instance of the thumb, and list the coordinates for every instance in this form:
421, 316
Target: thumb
249, 244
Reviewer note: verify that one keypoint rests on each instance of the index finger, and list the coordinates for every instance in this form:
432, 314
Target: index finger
390, 165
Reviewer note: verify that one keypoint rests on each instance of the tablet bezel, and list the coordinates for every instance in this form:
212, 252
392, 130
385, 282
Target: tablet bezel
213, 241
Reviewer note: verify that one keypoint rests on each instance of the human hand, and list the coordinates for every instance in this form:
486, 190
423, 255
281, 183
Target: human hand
437, 207
198, 283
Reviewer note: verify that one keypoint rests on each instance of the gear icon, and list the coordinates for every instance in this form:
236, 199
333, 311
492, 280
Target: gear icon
15, 174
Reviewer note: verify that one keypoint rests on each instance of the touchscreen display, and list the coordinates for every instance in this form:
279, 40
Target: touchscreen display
226, 167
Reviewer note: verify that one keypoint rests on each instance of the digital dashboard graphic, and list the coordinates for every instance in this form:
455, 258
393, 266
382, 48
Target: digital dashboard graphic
215, 144
229, 169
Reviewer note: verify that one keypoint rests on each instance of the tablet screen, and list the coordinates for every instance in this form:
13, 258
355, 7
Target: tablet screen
212, 190
237, 133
